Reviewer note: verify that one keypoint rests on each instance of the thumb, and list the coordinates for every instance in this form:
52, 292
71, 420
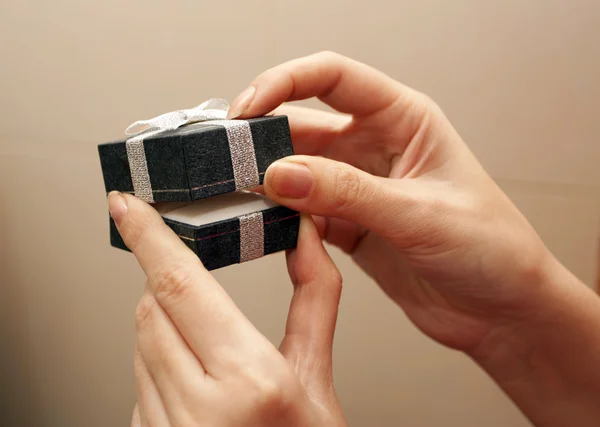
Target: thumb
310, 328
324, 187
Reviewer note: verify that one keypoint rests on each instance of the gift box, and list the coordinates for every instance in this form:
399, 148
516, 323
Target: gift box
196, 161
196, 167
229, 228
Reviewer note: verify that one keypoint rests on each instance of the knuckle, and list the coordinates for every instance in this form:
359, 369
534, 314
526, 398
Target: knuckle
428, 106
333, 283
268, 74
436, 209
440, 216
336, 280
132, 231
348, 187
427, 101
173, 284
273, 395
143, 312
329, 55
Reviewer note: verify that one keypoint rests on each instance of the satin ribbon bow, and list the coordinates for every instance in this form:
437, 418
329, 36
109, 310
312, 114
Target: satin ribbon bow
213, 109
214, 112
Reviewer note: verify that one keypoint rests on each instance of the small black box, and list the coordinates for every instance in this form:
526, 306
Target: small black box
188, 173
194, 161
212, 228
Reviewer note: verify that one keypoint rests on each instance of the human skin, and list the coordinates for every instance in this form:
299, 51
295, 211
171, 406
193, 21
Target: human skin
389, 181
200, 362
392, 183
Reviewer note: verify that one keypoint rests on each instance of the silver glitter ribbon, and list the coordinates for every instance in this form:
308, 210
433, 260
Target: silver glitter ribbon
252, 236
211, 112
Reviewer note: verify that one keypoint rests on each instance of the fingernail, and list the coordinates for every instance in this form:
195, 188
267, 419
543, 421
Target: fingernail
241, 103
290, 180
117, 206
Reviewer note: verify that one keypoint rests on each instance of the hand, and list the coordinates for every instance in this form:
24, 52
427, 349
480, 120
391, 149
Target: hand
199, 361
392, 183
400, 191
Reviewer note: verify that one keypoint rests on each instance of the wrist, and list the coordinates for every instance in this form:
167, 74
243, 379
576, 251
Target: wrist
556, 302
543, 358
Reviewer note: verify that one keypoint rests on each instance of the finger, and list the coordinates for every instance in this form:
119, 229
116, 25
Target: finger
346, 85
321, 224
343, 234
135, 418
329, 188
200, 309
340, 233
313, 311
150, 406
258, 190
145, 233
176, 371
313, 131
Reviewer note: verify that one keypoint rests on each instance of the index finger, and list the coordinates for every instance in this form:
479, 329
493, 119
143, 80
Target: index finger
198, 306
346, 85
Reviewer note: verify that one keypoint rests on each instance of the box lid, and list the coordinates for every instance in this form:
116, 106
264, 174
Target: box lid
197, 161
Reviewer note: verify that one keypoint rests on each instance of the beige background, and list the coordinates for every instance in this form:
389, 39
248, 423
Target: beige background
518, 78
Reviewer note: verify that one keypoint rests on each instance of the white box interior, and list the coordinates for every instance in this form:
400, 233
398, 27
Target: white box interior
217, 208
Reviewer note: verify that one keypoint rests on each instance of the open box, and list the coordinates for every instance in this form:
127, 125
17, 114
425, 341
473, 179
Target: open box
229, 228
197, 177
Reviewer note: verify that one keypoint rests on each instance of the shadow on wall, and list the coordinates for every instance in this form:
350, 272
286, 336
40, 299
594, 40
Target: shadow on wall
18, 393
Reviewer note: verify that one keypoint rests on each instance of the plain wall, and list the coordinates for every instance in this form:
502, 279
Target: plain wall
519, 79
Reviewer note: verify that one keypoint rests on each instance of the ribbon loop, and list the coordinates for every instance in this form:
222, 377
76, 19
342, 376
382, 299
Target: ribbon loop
213, 109
212, 112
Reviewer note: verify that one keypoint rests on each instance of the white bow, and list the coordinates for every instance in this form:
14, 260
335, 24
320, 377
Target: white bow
213, 109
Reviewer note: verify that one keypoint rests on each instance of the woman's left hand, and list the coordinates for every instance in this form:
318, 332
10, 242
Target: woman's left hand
199, 361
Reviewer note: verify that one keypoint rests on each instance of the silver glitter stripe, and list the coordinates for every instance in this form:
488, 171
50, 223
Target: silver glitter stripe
139, 169
252, 236
243, 157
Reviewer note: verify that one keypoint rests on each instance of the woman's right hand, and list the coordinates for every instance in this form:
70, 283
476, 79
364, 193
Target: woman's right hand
393, 184
398, 189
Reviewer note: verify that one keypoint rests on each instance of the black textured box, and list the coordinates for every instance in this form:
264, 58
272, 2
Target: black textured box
217, 243
194, 161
